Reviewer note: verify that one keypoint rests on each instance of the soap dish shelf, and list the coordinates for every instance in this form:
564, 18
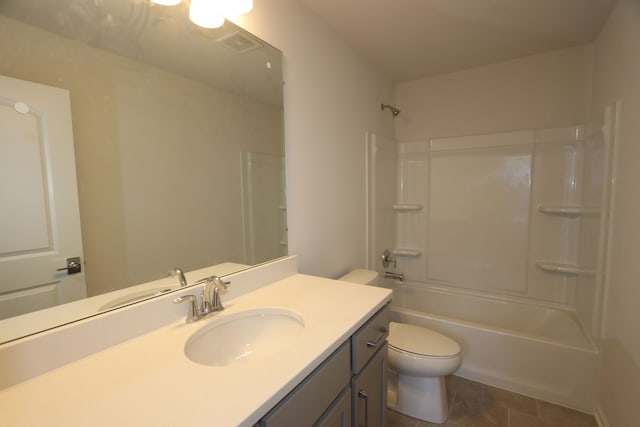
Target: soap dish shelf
407, 252
407, 207
571, 269
570, 211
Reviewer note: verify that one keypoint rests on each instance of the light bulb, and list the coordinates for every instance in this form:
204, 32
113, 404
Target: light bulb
206, 13
167, 2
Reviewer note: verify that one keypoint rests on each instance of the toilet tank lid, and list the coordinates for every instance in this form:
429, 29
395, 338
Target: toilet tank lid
365, 277
421, 341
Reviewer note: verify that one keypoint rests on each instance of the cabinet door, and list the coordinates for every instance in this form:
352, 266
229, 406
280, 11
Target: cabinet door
339, 414
308, 402
369, 389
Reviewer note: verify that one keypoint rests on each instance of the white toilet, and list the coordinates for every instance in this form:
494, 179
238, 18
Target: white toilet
421, 358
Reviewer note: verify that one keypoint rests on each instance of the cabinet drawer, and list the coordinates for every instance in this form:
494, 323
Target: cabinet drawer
369, 338
311, 398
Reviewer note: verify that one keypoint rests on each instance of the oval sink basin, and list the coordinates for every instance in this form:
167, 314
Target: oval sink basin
245, 336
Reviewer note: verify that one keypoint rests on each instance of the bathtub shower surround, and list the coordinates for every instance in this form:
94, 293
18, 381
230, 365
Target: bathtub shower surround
514, 214
519, 218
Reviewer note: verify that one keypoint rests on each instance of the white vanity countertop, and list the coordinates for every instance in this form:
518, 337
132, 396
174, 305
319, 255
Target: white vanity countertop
148, 380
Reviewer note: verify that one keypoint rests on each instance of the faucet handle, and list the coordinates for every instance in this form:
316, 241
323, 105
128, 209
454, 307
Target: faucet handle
388, 259
214, 279
220, 284
213, 287
193, 312
180, 275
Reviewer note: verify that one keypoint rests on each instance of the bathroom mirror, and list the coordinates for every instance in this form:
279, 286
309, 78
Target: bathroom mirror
178, 144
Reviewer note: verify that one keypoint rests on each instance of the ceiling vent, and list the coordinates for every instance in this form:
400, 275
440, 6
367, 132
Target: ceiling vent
240, 42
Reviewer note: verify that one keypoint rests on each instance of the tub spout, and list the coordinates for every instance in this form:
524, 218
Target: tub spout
391, 275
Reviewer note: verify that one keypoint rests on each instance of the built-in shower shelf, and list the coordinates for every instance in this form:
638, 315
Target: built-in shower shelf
572, 211
407, 207
408, 252
557, 267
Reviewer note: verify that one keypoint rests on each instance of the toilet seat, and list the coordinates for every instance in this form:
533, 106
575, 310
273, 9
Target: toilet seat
419, 342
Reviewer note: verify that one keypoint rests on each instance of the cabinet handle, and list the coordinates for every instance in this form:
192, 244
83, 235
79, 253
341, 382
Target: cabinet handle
384, 331
363, 395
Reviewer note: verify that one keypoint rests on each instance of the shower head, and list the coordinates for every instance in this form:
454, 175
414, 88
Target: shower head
394, 110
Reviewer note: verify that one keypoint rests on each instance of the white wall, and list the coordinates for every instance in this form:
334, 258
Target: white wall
332, 97
538, 91
617, 77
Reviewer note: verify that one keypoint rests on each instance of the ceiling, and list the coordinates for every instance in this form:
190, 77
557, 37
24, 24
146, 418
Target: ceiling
411, 39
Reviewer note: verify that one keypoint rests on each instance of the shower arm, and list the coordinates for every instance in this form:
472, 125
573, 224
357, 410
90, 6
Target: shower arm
393, 109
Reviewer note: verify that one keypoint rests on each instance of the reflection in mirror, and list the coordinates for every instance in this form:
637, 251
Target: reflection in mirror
173, 133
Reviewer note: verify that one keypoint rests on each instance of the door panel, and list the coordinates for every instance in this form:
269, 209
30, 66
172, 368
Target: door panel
23, 218
39, 215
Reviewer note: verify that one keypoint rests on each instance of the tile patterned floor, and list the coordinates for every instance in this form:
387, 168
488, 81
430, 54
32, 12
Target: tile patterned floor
472, 404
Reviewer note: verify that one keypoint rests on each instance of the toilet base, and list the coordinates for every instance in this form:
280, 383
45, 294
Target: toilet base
424, 398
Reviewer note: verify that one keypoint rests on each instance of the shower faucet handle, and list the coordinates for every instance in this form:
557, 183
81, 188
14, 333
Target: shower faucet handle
388, 259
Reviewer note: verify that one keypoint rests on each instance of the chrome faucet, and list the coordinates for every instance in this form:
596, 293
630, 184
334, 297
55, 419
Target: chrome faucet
210, 298
178, 273
391, 275
211, 302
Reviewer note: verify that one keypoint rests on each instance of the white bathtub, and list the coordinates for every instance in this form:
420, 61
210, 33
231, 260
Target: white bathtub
529, 349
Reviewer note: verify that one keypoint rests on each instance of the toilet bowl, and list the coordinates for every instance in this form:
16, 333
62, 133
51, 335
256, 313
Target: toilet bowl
420, 358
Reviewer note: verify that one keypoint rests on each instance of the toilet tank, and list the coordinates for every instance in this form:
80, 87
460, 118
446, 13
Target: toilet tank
365, 277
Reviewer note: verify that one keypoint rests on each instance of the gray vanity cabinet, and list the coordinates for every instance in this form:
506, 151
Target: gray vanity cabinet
369, 365
307, 403
339, 413
347, 389
369, 390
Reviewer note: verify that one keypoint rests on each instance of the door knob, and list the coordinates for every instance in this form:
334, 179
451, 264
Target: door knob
73, 266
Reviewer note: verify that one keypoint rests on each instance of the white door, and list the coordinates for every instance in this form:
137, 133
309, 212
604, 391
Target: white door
39, 216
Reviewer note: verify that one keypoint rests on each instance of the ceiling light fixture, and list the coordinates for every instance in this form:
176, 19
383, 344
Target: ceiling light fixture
206, 13
212, 13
